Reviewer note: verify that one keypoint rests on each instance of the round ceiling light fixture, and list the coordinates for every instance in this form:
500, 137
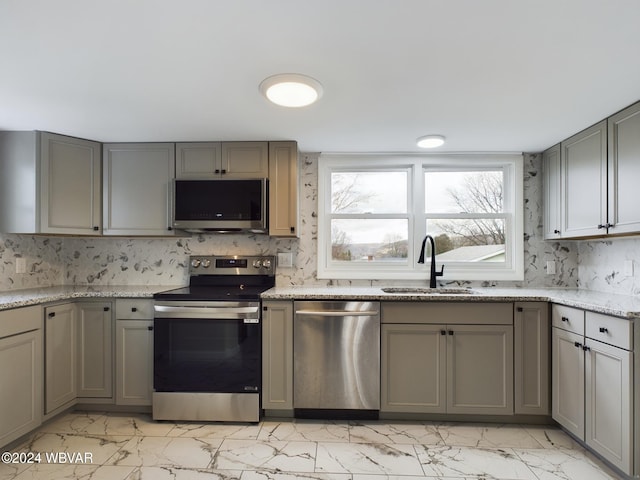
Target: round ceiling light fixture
291, 90
430, 141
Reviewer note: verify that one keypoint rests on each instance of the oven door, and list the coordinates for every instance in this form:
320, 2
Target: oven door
207, 347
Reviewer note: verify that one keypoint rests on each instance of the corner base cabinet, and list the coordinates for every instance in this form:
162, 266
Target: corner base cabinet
60, 331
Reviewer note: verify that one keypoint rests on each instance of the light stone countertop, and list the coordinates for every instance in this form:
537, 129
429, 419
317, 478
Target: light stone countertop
35, 296
607, 303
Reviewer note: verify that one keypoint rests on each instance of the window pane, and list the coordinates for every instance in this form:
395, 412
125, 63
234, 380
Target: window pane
369, 192
469, 240
378, 240
464, 192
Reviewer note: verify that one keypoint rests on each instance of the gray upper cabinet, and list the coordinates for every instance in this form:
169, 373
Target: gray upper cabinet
584, 184
624, 171
137, 188
224, 159
198, 160
283, 189
552, 186
49, 184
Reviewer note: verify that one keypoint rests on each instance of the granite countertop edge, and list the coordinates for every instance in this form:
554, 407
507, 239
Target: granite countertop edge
37, 296
625, 306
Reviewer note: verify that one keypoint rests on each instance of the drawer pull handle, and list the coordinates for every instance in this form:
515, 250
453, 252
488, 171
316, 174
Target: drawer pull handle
564, 319
134, 309
52, 314
603, 330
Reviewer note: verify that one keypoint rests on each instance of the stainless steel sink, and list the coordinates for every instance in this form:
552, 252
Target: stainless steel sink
429, 291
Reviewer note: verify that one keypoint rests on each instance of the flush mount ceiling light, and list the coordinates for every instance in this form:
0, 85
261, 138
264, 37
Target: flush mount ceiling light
291, 90
430, 141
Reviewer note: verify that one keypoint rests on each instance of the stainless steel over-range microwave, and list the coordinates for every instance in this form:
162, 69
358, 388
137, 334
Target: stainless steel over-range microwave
203, 205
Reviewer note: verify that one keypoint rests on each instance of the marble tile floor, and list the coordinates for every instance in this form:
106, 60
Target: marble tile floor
106, 446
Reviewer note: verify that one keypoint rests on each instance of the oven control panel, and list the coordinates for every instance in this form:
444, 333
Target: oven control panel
232, 265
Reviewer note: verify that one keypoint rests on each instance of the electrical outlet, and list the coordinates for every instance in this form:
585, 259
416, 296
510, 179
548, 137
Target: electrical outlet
628, 268
551, 267
285, 259
21, 265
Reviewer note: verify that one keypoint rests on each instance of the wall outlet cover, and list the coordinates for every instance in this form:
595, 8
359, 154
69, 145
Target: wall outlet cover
285, 259
21, 265
551, 267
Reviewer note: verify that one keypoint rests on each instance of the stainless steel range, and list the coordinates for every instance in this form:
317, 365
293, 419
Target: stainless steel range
208, 341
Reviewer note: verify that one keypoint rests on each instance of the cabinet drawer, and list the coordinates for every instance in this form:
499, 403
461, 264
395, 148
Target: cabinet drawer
20, 320
611, 330
568, 318
134, 309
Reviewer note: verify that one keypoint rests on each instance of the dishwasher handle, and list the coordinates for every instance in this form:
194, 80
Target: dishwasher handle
337, 313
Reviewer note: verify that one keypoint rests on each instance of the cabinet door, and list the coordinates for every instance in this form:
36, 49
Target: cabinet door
584, 184
277, 356
608, 403
245, 159
69, 185
134, 362
480, 369
567, 381
413, 368
137, 186
60, 356
21, 380
531, 358
198, 160
624, 170
283, 189
551, 185
95, 346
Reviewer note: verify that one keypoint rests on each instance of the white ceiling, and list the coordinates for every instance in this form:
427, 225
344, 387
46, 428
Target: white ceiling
490, 75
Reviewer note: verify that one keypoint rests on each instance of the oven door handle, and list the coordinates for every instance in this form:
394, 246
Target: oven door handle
213, 313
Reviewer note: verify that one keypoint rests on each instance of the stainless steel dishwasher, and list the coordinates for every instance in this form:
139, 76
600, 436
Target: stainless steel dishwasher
336, 350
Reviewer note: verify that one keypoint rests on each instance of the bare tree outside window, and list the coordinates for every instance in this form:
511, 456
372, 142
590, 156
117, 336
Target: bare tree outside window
480, 192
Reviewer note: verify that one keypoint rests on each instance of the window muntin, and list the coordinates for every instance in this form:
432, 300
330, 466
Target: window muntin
425, 183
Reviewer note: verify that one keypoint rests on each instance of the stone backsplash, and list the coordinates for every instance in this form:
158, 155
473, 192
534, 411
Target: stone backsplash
163, 261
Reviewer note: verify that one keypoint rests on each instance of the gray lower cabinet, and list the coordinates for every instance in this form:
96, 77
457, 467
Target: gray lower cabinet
464, 366
137, 188
21, 372
61, 388
277, 355
593, 378
134, 352
532, 358
49, 183
95, 350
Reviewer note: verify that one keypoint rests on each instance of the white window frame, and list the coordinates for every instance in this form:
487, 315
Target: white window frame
512, 166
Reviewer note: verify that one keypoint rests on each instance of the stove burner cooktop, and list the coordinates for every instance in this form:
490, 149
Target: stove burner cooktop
225, 278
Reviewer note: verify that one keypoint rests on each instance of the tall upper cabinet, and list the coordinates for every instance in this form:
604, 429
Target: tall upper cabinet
584, 182
551, 185
595, 188
624, 170
137, 188
49, 183
283, 189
